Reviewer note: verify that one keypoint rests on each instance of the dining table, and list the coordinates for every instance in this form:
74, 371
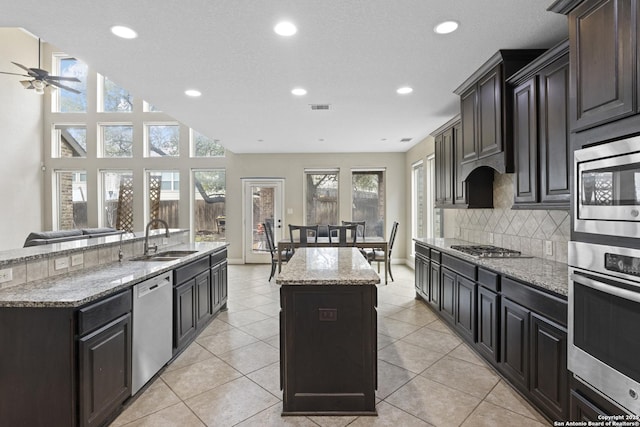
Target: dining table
370, 242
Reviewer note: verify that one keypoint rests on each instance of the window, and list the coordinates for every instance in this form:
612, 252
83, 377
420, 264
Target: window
368, 200
64, 101
116, 140
114, 98
71, 199
321, 196
162, 140
163, 196
417, 201
117, 199
209, 218
434, 216
202, 146
69, 141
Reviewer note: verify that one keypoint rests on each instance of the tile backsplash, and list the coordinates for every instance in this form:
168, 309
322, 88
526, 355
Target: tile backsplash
532, 232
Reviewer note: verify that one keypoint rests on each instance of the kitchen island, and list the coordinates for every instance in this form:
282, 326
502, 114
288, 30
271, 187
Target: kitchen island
328, 327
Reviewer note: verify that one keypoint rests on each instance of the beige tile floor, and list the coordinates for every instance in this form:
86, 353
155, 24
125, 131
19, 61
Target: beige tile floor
230, 375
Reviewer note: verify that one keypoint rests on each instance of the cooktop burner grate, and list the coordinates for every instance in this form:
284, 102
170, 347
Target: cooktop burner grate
487, 251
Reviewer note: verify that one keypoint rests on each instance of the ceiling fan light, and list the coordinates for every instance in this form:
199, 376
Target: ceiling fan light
39, 91
38, 85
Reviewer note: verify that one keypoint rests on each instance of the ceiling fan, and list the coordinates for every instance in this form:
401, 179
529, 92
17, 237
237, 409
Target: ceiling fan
41, 78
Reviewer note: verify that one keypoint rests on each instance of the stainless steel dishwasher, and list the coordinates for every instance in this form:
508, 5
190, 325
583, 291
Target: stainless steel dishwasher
152, 326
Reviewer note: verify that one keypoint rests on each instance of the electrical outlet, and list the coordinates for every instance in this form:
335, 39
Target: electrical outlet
491, 238
61, 263
165, 241
548, 247
77, 259
6, 275
289, 211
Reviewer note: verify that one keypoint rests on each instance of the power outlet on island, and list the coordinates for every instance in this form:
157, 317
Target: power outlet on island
6, 275
548, 247
61, 263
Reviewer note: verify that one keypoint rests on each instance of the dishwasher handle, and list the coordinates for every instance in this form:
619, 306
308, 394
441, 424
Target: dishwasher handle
153, 285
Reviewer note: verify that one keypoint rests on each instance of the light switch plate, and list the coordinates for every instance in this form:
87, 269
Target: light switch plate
6, 275
289, 211
61, 263
548, 247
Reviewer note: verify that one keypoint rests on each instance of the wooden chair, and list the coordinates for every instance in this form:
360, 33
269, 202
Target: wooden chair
343, 235
304, 232
284, 255
378, 254
361, 226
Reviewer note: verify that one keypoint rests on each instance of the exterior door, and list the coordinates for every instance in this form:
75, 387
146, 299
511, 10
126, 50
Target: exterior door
262, 203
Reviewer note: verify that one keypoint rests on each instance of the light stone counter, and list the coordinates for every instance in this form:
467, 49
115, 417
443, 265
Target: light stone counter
327, 266
546, 274
79, 287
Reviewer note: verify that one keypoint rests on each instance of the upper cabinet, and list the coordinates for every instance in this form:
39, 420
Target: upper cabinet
604, 71
486, 112
542, 151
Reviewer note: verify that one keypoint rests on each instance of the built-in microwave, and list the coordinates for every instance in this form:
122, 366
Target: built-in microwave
603, 319
607, 189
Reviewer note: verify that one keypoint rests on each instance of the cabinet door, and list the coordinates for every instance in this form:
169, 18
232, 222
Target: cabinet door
104, 370
553, 136
424, 277
603, 48
204, 305
549, 376
223, 283
459, 189
447, 167
447, 295
439, 172
465, 307
525, 134
581, 409
488, 323
468, 110
490, 113
434, 285
418, 273
514, 342
184, 303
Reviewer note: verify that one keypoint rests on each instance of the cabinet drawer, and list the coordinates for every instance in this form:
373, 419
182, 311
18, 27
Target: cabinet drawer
489, 279
422, 250
190, 270
218, 257
104, 311
546, 304
436, 256
464, 268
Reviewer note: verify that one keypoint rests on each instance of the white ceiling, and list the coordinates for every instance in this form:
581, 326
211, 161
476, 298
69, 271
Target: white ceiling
351, 54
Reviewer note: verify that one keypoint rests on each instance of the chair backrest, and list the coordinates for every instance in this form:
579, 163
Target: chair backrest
304, 233
361, 226
268, 232
392, 237
343, 235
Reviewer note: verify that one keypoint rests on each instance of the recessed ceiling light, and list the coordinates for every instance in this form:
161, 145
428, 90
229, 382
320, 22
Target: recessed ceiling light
446, 27
299, 91
285, 29
405, 90
124, 32
193, 93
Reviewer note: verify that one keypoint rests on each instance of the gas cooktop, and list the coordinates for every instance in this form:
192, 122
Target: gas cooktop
487, 251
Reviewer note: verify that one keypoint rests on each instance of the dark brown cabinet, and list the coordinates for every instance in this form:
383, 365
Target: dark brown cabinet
204, 298
488, 310
434, 283
465, 307
219, 285
444, 168
422, 274
541, 133
447, 295
185, 319
514, 332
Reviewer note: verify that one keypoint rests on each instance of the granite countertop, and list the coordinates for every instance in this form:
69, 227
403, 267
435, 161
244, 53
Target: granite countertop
78, 288
327, 266
546, 274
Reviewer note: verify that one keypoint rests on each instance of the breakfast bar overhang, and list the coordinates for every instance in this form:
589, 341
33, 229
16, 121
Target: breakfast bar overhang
328, 327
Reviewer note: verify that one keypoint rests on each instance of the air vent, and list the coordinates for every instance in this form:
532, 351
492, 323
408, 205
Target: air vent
406, 139
319, 106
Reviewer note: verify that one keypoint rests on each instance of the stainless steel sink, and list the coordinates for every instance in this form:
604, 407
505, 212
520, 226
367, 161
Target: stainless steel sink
163, 256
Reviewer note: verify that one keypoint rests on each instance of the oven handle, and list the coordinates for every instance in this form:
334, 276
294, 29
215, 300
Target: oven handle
613, 290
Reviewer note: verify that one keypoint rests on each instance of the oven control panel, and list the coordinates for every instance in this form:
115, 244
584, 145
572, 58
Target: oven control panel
622, 264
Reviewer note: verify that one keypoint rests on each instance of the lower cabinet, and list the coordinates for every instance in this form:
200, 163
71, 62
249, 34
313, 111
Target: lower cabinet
488, 311
587, 405
434, 284
465, 307
514, 343
447, 295
184, 306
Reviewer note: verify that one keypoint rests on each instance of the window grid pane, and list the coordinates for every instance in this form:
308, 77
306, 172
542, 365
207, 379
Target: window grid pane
163, 140
368, 202
116, 99
71, 190
69, 141
67, 101
209, 215
204, 146
117, 140
321, 198
169, 202
112, 183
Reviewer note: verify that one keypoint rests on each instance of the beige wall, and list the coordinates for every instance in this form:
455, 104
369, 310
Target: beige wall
21, 142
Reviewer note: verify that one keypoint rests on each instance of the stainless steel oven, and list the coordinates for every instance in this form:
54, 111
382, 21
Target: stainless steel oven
604, 321
607, 185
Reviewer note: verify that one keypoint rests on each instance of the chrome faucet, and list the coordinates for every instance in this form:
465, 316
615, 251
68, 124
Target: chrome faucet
146, 235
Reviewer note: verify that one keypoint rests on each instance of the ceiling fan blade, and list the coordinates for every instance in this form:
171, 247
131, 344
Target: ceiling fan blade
62, 86
14, 74
61, 78
21, 66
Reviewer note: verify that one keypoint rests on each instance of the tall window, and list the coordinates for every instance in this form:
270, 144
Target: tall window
209, 217
162, 140
417, 200
71, 198
114, 98
69, 141
321, 196
202, 146
368, 200
163, 196
434, 217
117, 199
116, 140
65, 101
